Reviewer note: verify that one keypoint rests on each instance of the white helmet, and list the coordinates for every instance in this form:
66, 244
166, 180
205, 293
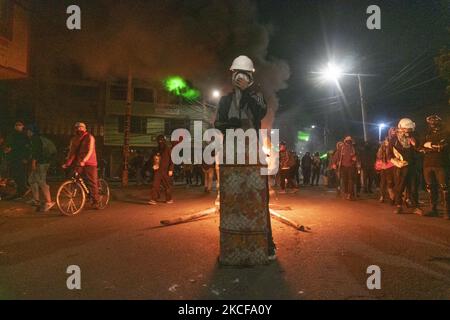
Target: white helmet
243, 63
407, 124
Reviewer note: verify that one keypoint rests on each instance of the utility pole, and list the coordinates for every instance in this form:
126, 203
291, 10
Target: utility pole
126, 130
363, 108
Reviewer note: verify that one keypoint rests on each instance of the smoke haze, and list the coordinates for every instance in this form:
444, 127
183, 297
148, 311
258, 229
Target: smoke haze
195, 39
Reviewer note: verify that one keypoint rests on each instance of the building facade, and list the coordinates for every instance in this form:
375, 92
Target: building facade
14, 39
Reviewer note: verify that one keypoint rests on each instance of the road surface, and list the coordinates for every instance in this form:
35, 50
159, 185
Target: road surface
123, 252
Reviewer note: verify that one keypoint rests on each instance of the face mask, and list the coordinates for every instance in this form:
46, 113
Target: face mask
241, 75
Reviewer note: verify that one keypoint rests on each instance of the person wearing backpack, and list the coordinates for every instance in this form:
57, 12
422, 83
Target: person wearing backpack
42, 151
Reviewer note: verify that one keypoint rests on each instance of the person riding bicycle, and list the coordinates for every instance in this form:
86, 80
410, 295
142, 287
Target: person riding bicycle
83, 157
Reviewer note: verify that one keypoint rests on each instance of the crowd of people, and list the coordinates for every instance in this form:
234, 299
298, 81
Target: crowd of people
398, 167
25, 157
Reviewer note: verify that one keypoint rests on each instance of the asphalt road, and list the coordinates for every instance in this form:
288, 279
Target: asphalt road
124, 253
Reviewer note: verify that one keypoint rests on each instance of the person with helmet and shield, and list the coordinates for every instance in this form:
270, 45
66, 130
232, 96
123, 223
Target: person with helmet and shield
436, 165
244, 108
163, 172
404, 147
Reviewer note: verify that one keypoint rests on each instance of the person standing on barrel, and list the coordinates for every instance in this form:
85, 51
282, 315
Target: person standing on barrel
244, 108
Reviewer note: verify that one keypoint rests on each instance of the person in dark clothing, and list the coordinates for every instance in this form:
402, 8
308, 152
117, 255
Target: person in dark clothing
436, 165
83, 157
3, 164
163, 172
137, 163
40, 163
18, 154
198, 175
306, 168
188, 168
344, 161
368, 158
296, 169
403, 147
316, 169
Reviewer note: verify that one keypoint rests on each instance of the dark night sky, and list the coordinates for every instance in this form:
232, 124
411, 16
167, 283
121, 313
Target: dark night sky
412, 34
304, 33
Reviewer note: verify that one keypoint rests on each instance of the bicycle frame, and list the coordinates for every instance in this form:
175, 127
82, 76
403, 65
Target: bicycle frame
78, 179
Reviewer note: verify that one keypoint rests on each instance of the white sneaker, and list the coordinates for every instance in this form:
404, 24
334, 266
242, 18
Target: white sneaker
152, 202
48, 206
272, 257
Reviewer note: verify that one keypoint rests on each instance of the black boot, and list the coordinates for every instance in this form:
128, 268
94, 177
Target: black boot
433, 203
446, 201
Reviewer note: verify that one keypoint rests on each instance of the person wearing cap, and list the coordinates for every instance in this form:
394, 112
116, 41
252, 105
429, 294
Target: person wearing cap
18, 153
163, 172
39, 168
344, 161
83, 157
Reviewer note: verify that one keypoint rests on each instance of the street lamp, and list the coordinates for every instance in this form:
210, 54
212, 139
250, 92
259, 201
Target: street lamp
381, 126
216, 94
325, 131
332, 73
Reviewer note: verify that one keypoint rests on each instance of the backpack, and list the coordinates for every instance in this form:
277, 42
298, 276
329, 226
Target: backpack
48, 148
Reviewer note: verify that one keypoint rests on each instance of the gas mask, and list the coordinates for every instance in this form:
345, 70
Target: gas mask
239, 74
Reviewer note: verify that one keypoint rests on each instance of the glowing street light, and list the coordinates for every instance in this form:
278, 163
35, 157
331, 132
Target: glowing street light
332, 72
216, 94
381, 126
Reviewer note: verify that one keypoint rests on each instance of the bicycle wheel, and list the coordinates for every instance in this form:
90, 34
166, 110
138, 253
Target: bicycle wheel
104, 193
71, 198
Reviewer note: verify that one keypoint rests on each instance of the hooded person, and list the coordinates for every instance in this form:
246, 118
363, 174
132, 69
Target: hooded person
163, 172
436, 165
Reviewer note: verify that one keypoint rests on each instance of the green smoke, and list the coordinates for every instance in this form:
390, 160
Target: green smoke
179, 87
303, 136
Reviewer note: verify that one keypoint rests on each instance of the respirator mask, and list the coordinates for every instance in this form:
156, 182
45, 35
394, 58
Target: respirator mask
244, 75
